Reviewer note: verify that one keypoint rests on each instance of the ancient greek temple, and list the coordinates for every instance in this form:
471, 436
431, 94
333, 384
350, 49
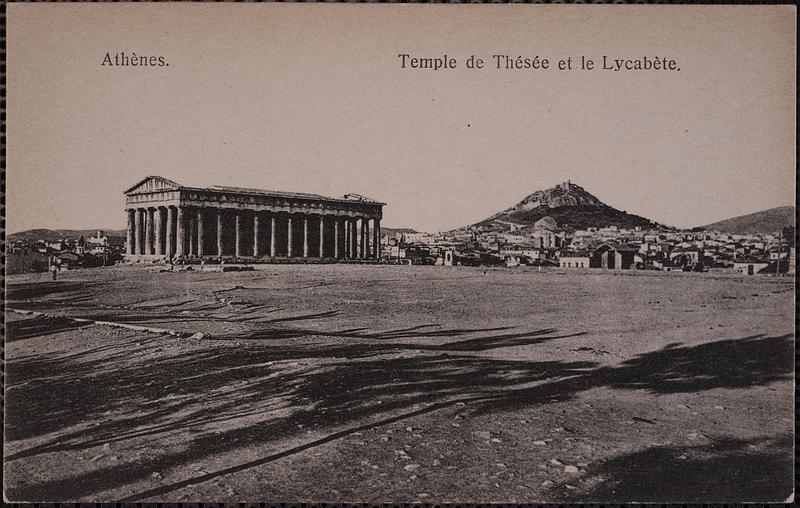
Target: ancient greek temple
168, 220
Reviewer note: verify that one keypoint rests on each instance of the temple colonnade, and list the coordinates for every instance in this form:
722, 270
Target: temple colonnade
174, 231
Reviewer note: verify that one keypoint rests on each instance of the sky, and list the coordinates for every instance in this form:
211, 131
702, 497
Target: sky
312, 98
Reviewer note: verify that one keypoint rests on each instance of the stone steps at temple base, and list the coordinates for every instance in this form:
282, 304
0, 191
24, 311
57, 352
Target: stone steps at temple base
212, 262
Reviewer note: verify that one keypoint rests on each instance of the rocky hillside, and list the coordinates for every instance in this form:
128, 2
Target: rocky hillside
765, 221
570, 206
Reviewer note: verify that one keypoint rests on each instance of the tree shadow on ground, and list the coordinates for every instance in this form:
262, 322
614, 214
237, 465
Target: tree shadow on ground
31, 290
729, 363
39, 326
332, 388
725, 470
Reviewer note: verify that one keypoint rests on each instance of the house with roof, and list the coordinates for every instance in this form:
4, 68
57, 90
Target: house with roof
613, 257
750, 266
576, 259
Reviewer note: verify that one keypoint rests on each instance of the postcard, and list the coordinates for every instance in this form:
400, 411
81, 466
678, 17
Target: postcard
400, 253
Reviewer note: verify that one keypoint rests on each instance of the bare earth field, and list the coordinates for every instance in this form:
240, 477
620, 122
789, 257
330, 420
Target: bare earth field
389, 383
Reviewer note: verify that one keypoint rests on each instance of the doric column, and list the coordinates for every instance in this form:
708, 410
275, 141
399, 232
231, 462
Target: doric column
345, 238
200, 232
170, 232
256, 235
239, 233
180, 244
321, 236
353, 238
289, 237
360, 242
157, 232
130, 237
273, 244
141, 216
336, 238
376, 233
219, 232
364, 238
148, 232
305, 236
164, 224
192, 233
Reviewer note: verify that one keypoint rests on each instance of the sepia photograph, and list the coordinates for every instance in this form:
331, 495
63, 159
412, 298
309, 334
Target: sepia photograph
399, 253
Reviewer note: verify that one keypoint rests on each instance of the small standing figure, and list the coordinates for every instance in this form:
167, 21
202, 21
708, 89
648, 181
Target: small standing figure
54, 269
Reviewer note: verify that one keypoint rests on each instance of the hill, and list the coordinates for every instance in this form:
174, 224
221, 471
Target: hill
51, 235
393, 231
571, 207
765, 221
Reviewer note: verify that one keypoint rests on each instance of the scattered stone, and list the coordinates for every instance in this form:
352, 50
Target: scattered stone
483, 434
96, 458
411, 467
198, 335
570, 487
720, 408
456, 424
682, 457
106, 446
496, 440
571, 469
556, 462
460, 404
546, 483
436, 462
500, 464
540, 443
385, 439
423, 494
156, 475
409, 429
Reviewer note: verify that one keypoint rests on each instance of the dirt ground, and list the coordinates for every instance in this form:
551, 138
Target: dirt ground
389, 383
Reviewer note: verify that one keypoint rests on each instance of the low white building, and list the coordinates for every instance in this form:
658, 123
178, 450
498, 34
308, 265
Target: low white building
749, 267
574, 261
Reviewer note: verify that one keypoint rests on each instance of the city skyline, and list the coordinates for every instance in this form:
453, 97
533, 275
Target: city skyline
121, 227
309, 110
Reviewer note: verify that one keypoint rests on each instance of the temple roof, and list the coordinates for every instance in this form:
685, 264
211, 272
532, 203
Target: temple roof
157, 183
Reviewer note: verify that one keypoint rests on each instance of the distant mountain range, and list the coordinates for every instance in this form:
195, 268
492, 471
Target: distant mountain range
765, 221
52, 235
566, 206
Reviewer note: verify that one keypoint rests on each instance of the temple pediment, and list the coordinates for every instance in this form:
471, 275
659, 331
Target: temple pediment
153, 184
